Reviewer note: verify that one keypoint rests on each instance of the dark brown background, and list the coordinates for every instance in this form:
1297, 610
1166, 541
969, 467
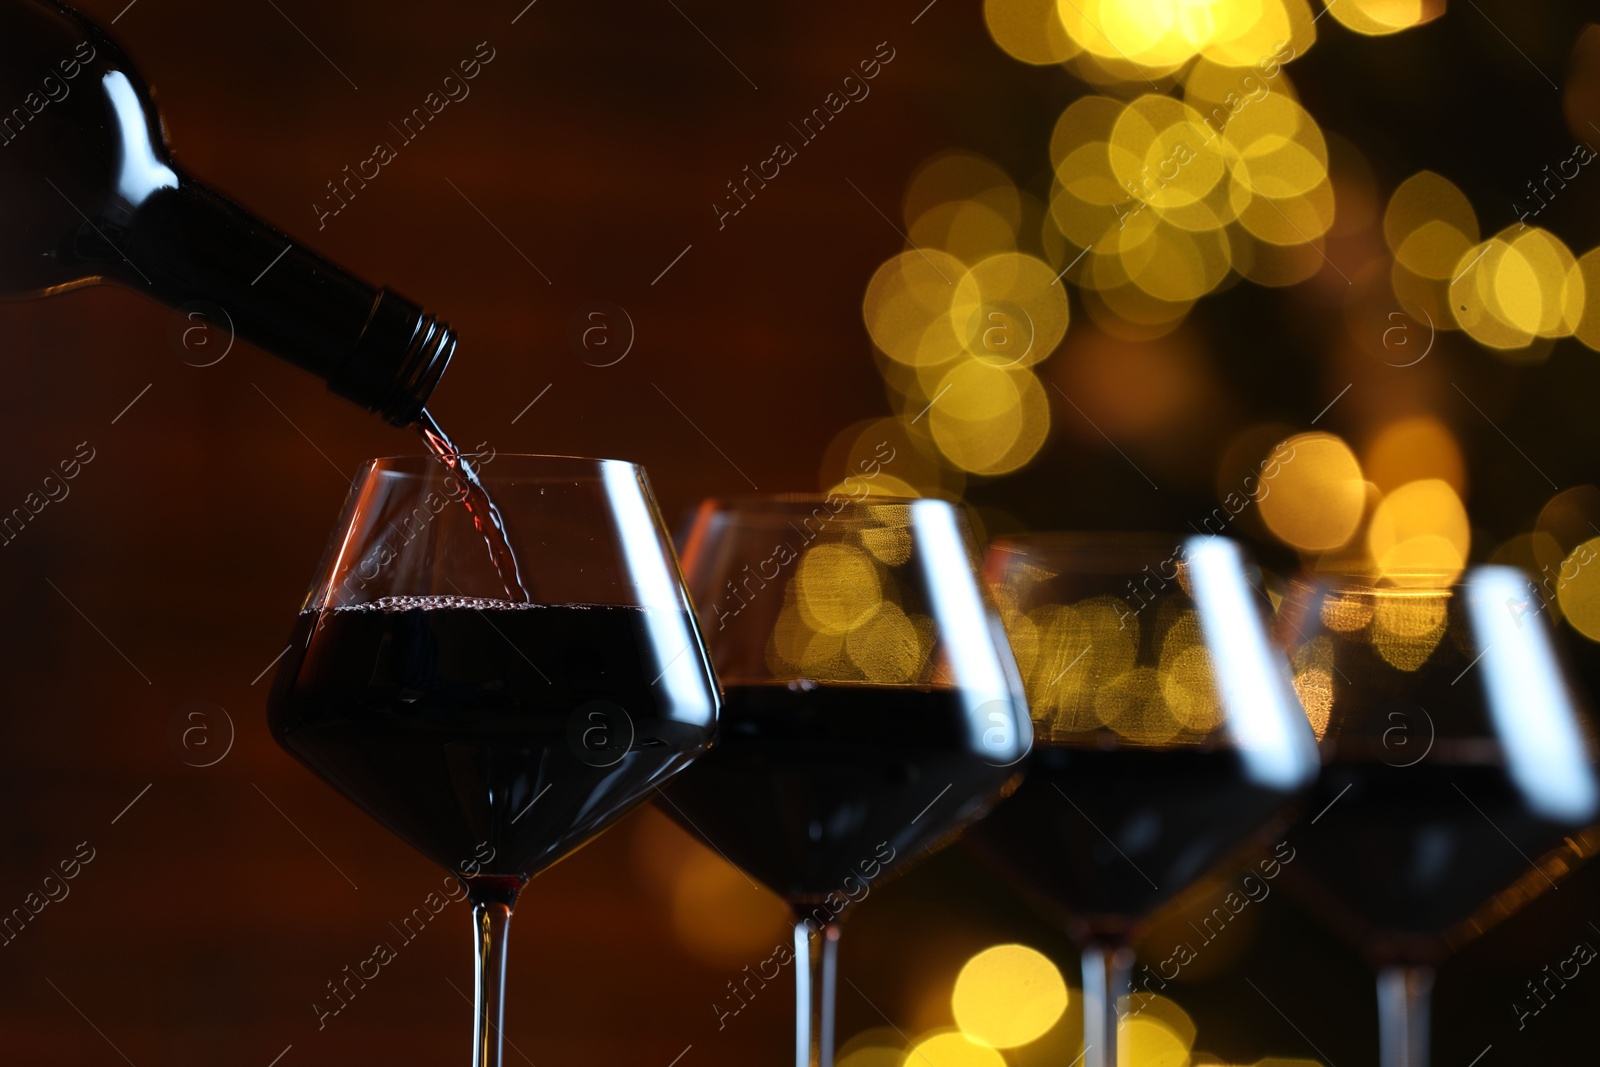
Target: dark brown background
596, 141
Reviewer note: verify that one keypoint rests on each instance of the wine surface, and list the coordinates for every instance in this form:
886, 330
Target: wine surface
473, 727
807, 782
1103, 837
1403, 857
486, 518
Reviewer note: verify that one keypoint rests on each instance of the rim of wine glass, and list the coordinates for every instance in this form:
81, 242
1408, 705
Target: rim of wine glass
1109, 551
747, 506
1417, 583
427, 463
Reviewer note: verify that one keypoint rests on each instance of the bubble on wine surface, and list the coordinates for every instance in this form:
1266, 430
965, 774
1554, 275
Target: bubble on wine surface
456, 602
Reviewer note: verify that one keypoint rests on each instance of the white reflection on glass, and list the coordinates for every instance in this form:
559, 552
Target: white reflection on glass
1265, 718
984, 674
677, 648
139, 171
1534, 716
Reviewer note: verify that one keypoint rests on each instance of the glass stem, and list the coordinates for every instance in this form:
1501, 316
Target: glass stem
817, 947
1107, 971
1404, 1000
491, 923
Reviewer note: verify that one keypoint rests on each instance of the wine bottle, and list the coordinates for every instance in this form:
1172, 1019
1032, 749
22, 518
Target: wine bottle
89, 193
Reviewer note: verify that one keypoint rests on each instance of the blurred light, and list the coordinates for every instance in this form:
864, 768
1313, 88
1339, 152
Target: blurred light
889, 457
1314, 686
1132, 705
952, 1048
837, 588
1577, 588
1169, 1013
879, 1047
1068, 653
1319, 495
962, 177
1010, 310
1029, 30
1536, 720
1154, 36
1407, 627
1420, 535
1429, 225
872, 1056
1516, 286
1414, 448
989, 419
1008, 995
887, 646
1587, 275
1379, 17
907, 306
1148, 1042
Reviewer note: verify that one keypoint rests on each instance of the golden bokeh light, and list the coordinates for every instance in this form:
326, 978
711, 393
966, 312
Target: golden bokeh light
907, 306
837, 587
1517, 286
1008, 995
1010, 310
1149, 1042
1029, 30
1319, 495
1413, 448
1587, 277
1157, 37
988, 419
890, 456
1578, 589
952, 1048
1407, 627
1419, 534
1427, 199
872, 1056
1377, 18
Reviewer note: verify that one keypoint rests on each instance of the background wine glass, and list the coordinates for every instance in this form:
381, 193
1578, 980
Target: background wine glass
496, 735
872, 706
1458, 780
1166, 735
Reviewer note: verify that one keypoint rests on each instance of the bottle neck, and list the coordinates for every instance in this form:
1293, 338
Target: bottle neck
372, 346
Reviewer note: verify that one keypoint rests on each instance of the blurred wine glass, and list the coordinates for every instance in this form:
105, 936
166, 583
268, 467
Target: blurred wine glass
1458, 780
871, 708
1166, 735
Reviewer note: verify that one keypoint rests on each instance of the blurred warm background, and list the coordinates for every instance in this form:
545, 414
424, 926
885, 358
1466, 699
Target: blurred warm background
1084, 266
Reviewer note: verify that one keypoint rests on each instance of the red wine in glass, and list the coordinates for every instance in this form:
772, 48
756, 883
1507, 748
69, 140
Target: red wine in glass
872, 706
432, 715
808, 782
495, 734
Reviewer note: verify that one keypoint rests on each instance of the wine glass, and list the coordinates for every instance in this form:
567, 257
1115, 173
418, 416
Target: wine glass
871, 709
496, 733
1458, 780
1166, 736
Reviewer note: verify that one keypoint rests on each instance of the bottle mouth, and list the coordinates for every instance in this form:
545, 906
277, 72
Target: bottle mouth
429, 353
398, 360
